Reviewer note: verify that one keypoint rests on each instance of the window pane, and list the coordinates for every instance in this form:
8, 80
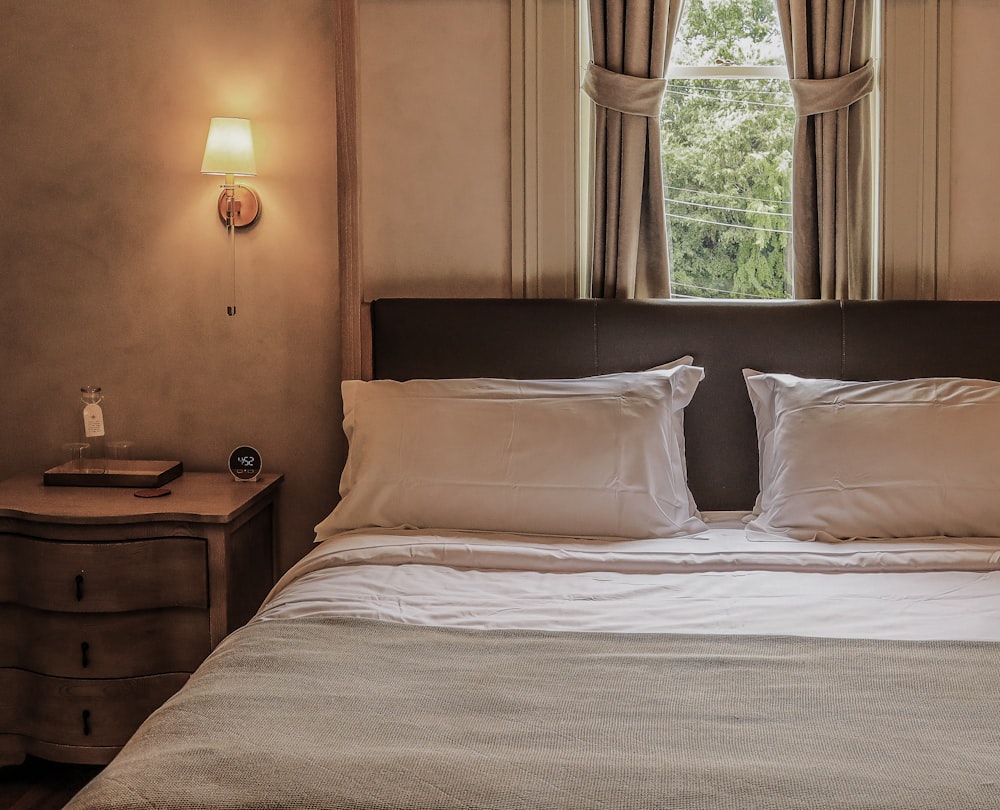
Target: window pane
726, 149
741, 32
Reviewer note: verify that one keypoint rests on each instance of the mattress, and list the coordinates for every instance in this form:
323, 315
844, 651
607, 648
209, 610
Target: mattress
718, 582
457, 670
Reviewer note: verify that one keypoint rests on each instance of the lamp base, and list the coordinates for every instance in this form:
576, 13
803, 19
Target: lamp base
247, 205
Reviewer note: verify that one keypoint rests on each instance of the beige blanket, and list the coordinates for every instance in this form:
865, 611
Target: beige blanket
347, 713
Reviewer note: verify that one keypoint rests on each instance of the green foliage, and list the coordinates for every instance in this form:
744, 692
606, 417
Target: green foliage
739, 31
726, 151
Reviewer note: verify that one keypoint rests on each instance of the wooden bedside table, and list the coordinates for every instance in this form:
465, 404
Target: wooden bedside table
108, 602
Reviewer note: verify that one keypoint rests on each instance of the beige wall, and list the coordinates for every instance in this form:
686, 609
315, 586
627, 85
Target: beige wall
435, 147
975, 154
113, 260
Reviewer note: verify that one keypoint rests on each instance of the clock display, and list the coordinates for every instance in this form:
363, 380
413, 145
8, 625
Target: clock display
245, 463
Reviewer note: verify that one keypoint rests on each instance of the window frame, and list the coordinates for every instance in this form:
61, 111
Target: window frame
726, 72
914, 210
547, 253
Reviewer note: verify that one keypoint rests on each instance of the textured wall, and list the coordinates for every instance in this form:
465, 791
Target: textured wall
114, 263
435, 147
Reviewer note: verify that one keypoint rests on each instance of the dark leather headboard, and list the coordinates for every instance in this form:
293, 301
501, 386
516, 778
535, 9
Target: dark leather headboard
535, 339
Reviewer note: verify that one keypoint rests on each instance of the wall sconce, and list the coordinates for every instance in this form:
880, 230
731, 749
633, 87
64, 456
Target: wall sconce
229, 152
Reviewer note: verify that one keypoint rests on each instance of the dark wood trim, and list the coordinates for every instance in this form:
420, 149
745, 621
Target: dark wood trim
349, 189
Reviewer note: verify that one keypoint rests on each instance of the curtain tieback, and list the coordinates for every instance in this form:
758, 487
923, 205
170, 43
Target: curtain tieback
633, 95
814, 96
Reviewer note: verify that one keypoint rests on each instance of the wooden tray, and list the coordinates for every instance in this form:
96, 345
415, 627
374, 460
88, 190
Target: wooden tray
119, 474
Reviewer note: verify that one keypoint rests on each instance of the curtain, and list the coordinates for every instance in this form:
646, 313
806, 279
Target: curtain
828, 50
626, 80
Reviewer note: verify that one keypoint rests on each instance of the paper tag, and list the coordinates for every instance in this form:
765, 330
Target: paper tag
93, 420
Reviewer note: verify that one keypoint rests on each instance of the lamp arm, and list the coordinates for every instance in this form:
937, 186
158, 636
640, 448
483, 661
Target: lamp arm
231, 227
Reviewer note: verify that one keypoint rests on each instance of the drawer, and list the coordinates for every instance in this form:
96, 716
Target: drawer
96, 577
78, 712
103, 645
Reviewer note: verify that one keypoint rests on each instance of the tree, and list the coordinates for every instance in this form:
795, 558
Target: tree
726, 151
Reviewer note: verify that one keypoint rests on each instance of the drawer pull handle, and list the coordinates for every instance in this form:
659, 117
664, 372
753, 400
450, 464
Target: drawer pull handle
86, 722
79, 587
84, 654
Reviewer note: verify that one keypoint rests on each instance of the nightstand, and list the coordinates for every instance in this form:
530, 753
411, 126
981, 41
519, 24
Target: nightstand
108, 602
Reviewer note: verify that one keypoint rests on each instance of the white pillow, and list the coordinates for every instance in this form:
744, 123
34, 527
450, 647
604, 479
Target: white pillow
844, 460
592, 457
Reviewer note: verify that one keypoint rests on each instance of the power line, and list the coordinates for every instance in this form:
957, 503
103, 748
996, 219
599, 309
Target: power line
724, 194
723, 208
731, 90
727, 224
729, 100
712, 289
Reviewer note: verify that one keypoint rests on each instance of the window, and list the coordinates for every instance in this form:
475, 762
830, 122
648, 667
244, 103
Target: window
726, 139
914, 41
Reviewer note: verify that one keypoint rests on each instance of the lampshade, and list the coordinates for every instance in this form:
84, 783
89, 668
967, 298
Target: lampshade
229, 148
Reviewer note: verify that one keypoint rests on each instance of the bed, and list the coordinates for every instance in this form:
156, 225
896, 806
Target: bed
599, 554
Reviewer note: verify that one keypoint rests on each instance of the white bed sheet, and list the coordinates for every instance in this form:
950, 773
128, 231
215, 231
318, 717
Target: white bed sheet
715, 582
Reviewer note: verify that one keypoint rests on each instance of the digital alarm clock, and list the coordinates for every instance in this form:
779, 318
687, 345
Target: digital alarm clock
245, 463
